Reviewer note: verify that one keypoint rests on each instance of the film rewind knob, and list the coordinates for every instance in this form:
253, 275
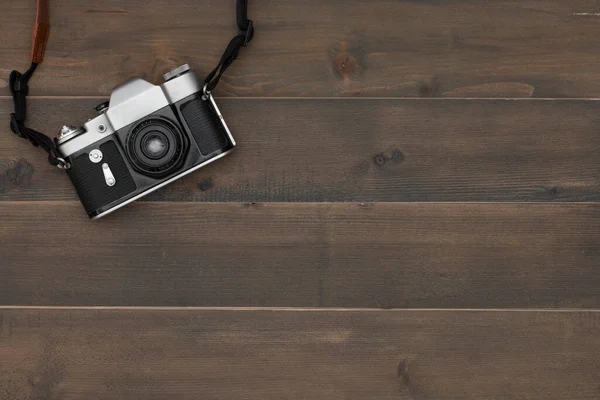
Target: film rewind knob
176, 72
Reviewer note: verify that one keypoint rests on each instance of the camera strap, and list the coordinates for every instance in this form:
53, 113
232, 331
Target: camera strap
41, 29
244, 36
19, 87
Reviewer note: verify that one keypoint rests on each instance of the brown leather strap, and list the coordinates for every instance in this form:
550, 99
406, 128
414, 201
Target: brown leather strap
41, 31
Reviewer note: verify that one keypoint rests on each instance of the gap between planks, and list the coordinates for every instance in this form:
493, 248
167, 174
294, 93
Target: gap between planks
299, 309
565, 99
308, 203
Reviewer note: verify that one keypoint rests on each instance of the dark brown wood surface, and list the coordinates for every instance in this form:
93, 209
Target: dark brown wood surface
380, 255
249, 354
440, 158
458, 48
360, 150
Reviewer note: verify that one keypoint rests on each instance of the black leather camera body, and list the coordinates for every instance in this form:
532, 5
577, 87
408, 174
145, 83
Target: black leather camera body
146, 137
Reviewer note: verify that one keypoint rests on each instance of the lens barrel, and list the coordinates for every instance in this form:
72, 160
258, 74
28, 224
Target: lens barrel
156, 147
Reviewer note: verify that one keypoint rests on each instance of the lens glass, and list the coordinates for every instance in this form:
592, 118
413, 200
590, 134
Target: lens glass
155, 145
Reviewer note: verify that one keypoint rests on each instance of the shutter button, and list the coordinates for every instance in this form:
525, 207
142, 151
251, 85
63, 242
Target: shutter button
95, 156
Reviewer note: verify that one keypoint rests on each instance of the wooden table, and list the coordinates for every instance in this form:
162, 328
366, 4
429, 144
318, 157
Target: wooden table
413, 211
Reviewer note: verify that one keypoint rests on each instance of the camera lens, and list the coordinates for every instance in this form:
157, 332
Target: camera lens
156, 147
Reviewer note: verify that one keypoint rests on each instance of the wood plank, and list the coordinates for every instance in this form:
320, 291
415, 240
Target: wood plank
383, 255
271, 354
459, 48
359, 150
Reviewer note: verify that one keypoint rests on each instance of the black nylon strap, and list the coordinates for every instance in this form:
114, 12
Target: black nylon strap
19, 89
244, 36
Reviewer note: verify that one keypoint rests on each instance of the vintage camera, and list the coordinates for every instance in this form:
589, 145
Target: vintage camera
146, 137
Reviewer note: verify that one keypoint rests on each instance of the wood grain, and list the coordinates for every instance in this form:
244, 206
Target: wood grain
359, 150
458, 48
191, 354
382, 255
